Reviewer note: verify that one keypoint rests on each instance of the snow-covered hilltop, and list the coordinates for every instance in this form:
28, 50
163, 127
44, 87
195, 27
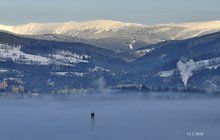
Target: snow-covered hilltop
69, 28
114, 35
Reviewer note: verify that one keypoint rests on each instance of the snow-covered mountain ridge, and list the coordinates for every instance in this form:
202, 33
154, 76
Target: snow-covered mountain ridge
97, 26
114, 35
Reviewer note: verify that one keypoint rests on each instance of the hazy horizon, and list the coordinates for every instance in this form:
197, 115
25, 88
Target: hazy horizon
60, 22
16, 12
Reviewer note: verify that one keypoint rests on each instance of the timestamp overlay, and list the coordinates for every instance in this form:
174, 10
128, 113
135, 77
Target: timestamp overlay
195, 134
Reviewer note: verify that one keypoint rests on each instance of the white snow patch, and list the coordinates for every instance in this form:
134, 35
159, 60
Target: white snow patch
162, 56
3, 70
144, 52
68, 58
60, 73
208, 62
78, 74
13, 79
99, 69
15, 54
131, 45
186, 70
213, 67
166, 74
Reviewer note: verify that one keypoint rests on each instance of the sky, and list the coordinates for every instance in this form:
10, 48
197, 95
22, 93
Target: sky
13, 12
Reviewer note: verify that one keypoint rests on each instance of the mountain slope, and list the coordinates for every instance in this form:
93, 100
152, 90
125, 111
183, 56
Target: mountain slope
190, 64
114, 35
48, 66
31, 65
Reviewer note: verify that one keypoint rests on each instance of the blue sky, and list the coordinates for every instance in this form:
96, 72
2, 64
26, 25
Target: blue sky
14, 12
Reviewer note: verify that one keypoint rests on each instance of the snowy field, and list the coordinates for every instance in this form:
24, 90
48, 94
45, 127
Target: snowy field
119, 116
